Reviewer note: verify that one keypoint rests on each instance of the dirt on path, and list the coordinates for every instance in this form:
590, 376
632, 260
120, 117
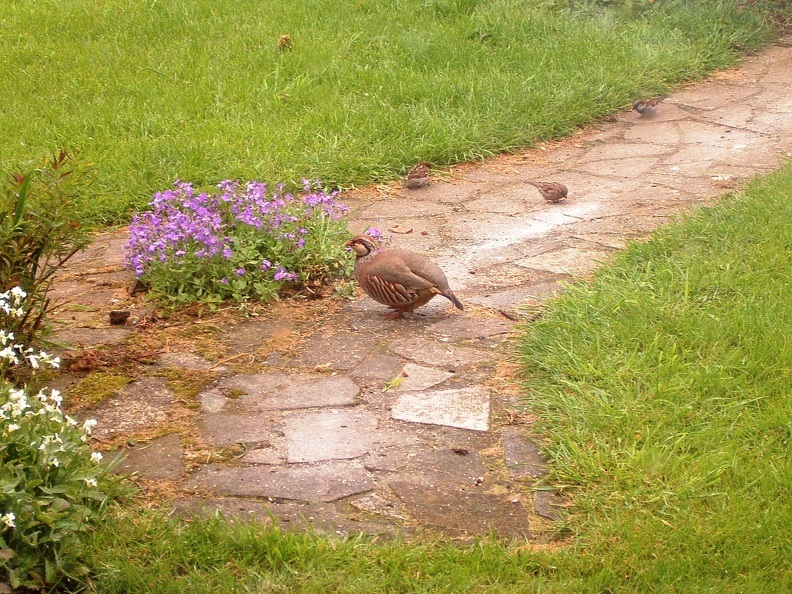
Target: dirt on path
324, 413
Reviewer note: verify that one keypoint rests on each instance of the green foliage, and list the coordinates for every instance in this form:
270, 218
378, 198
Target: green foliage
49, 481
200, 91
41, 227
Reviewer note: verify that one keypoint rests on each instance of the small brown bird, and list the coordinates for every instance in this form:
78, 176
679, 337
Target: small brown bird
551, 191
418, 175
399, 279
285, 42
648, 106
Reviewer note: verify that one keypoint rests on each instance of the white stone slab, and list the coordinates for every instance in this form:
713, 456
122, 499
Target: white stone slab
337, 435
466, 408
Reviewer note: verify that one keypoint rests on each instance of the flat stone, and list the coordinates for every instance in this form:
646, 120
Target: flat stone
289, 516
439, 354
441, 463
317, 482
621, 168
161, 459
212, 401
142, 404
249, 336
417, 377
335, 435
459, 327
531, 294
223, 429
90, 337
466, 408
571, 261
280, 391
464, 512
381, 503
523, 457
189, 361
377, 367
342, 351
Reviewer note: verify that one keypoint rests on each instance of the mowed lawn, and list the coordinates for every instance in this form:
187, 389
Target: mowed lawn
199, 90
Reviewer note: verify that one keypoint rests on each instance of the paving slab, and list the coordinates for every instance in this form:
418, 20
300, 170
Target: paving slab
465, 512
225, 429
289, 516
336, 435
160, 459
442, 355
315, 482
524, 459
281, 391
89, 337
466, 408
142, 404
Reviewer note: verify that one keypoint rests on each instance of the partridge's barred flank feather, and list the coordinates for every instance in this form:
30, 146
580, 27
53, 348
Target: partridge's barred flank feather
551, 191
399, 279
418, 175
648, 106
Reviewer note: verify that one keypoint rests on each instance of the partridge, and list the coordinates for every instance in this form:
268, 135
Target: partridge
418, 175
648, 106
399, 279
551, 191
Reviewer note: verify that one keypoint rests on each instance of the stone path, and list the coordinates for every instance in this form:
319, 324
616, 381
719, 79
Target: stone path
327, 414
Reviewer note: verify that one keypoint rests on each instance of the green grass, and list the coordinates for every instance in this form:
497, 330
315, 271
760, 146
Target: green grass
197, 90
665, 389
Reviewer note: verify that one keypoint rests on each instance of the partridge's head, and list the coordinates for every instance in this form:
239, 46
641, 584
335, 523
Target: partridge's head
362, 244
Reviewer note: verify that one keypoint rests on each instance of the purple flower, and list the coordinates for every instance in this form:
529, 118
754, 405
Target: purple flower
227, 252
224, 280
266, 264
240, 271
282, 274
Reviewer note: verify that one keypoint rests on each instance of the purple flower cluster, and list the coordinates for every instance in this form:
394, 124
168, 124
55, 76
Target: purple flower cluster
238, 230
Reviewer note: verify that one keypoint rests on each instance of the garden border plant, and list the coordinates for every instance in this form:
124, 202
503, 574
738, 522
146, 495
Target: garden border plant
51, 482
41, 228
238, 243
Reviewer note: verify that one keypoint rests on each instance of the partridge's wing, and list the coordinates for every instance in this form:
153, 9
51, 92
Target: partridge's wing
391, 268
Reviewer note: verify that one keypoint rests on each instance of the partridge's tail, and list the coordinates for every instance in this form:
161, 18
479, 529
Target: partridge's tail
457, 303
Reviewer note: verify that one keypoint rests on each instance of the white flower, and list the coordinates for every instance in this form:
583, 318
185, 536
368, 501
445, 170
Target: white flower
18, 292
88, 425
56, 397
8, 520
96, 456
90, 482
13, 427
55, 462
10, 354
